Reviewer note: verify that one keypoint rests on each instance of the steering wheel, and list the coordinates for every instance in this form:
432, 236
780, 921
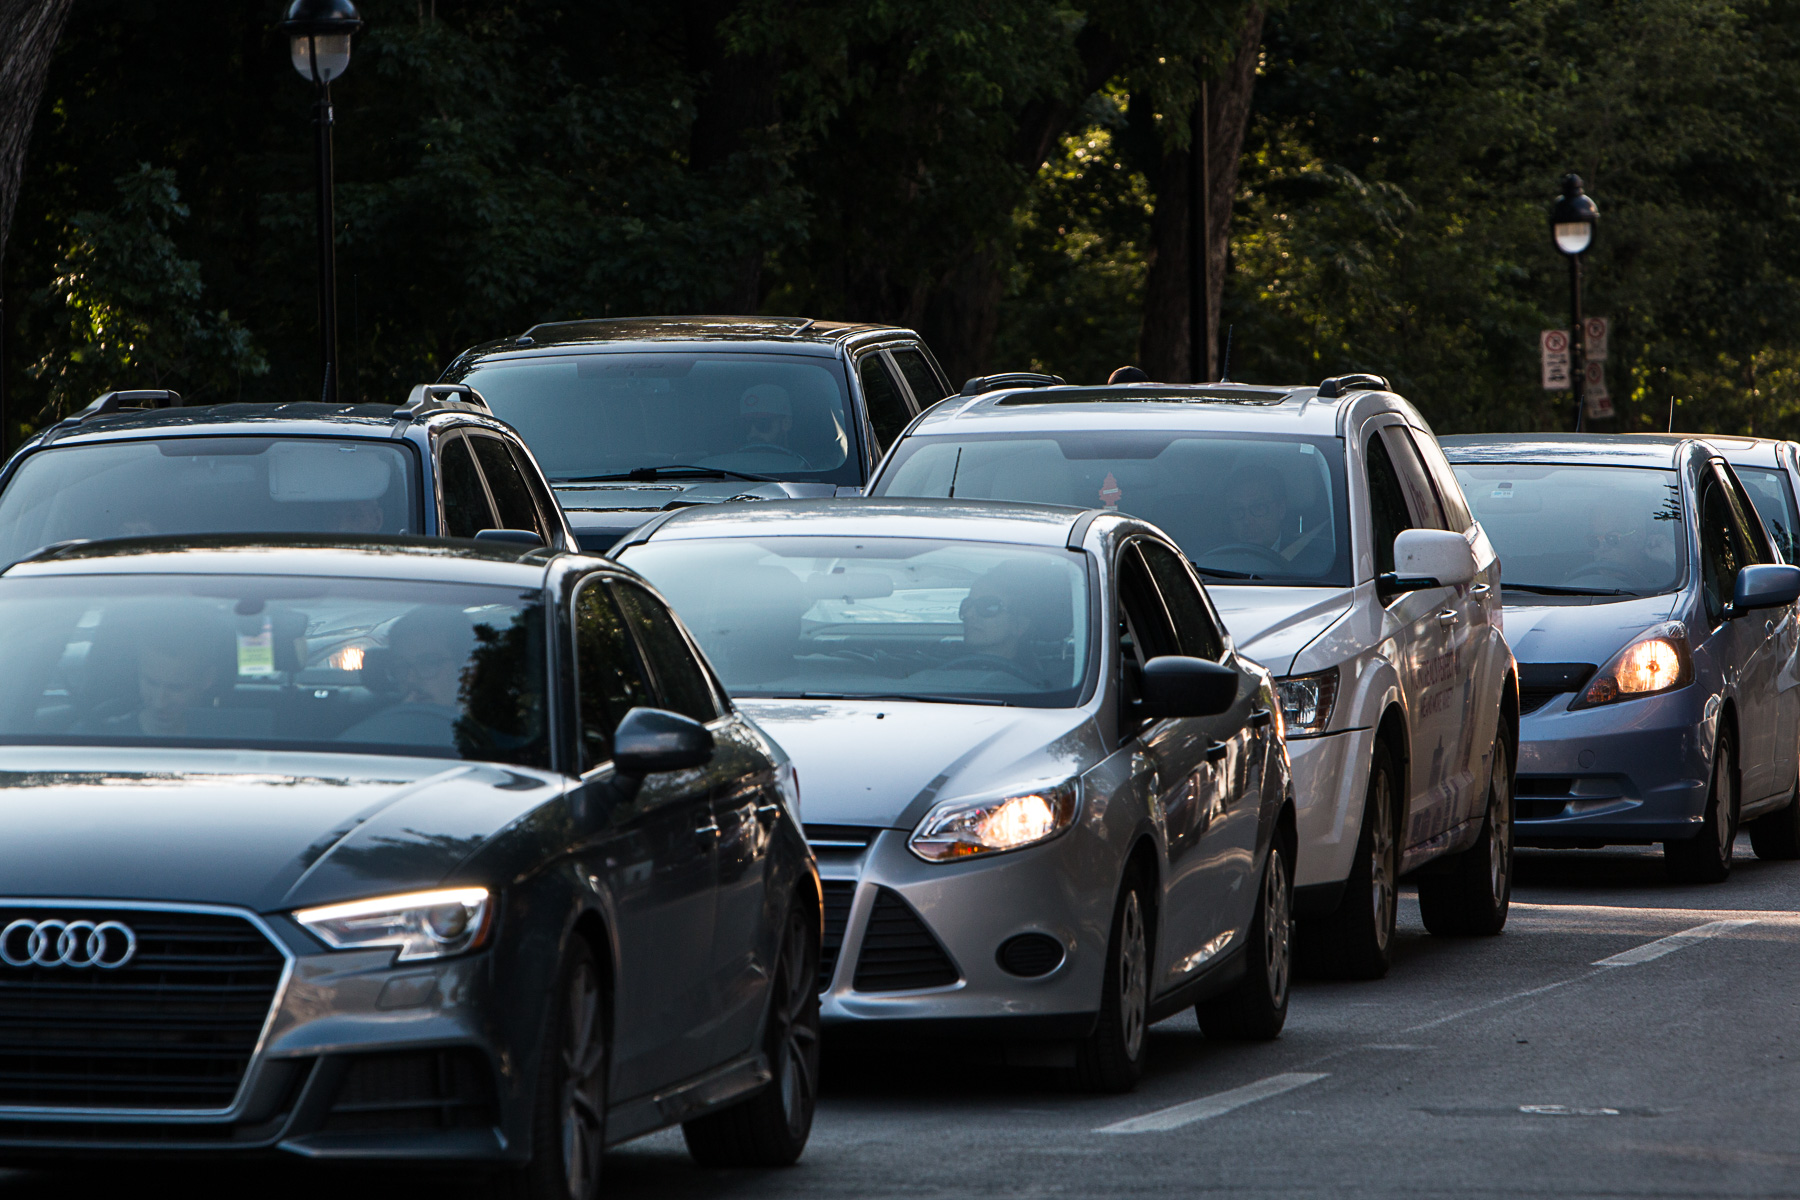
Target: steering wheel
1261, 552
988, 662
772, 448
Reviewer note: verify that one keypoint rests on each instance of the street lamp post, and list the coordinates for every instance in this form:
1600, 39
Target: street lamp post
1572, 226
319, 40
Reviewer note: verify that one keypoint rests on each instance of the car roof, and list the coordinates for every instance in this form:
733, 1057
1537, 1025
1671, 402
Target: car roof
302, 419
948, 520
409, 558
1162, 406
1664, 451
781, 335
1743, 451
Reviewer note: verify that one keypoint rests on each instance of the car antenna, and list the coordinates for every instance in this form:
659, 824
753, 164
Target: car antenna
1225, 364
1671, 412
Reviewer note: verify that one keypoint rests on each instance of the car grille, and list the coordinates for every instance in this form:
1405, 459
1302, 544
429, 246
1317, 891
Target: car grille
174, 1028
413, 1089
1540, 683
839, 893
898, 952
853, 838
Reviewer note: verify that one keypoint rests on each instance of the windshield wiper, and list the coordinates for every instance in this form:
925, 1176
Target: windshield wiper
1557, 589
921, 698
652, 474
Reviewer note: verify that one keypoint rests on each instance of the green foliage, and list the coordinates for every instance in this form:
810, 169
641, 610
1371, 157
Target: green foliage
134, 317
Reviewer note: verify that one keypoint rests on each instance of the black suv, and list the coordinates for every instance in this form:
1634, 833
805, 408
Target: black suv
638, 414
140, 464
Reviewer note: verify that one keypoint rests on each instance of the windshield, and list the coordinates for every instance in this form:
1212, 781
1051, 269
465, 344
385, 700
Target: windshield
1584, 530
361, 666
605, 415
890, 617
1259, 509
1774, 501
199, 485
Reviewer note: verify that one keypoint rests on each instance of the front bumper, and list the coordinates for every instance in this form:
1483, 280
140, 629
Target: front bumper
1635, 771
914, 942
1330, 783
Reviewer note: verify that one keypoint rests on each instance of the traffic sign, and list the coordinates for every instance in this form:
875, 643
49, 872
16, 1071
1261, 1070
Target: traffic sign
1553, 349
1596, 329
1598, 399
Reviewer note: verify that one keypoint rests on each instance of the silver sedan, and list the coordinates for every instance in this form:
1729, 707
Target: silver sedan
1050, 802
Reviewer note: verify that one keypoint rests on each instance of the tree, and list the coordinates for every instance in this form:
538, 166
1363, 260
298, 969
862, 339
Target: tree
33, 27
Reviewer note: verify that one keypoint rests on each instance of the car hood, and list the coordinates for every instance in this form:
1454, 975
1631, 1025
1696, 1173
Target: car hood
1585, 633
1273, 624
264, 830
886, 762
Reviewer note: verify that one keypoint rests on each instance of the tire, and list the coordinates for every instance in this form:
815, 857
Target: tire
1470, 898
1111, 1059
568, 1127
1356, 941
1777, 835
770, 1128
1256, 1007
1706, 858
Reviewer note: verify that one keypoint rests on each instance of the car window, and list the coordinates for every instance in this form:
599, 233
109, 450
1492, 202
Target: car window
534, 479
1449, 492
466, 510
888, 413
609, 679
1194, 627
1421, 499
1773, 497
507, 484
680, 680
927, 388
1754, 537
1144, 625
1388, 515
1720, 553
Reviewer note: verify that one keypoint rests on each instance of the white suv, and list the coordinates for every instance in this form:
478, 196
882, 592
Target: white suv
1340, 550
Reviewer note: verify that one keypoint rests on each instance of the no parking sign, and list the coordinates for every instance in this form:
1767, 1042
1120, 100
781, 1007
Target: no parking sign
1553, 347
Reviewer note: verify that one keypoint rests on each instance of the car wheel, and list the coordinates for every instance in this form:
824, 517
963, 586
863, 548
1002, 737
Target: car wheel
1111, 1059
1706, 858
770, 1128
1256, 1007
568, 1128
1471, 896
1356, 941
1777, 836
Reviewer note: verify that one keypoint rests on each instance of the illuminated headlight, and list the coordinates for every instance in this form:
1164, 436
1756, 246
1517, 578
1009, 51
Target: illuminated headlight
967, 828
1659, 661
419, 924
1307, 700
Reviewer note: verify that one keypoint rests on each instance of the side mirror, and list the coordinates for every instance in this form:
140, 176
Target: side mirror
1427, 558
1176, 686
1766, 586
650, 740
510, 537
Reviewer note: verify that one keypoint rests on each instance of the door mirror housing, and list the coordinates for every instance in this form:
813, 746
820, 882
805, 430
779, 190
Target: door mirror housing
1177, 686
1427, 558
650, 740
1765, 586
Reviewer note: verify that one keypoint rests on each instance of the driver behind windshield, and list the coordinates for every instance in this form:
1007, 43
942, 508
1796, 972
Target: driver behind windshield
766, 416
426, 653
1256, 511
1622, 556
1006, 611
183, 662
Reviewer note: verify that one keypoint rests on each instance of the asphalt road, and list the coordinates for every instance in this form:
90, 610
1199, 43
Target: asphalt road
1579, 1054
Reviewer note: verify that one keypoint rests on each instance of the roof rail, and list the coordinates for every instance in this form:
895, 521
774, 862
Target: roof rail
1338, 385
112, 402
988, 383
428, 398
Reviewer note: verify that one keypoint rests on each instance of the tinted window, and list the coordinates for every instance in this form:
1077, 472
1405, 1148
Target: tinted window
1148, 629
1421, 499
335, 665
602, 415
926, 387
1773, 497
1265, 508
887, 409
511, 495
1751, 534
202, 485
680, 680
534, 480
607, 674
1388, 515
1194, 628
1449, 492
466, 510
1720, 553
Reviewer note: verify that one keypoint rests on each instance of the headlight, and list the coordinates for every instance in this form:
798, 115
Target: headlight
966, 828
1306, 701
420, 924
1658, 661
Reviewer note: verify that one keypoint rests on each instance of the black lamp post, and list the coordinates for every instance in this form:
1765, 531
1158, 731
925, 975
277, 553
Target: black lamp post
1572, 225
319, 39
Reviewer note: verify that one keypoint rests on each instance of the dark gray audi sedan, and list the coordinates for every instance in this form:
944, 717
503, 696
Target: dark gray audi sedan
390, 851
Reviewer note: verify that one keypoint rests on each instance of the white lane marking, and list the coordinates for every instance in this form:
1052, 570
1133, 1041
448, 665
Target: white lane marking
1536, 991
1217, 1105
1565, 1110
1670, 944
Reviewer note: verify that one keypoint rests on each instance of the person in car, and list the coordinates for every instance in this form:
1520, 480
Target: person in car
427, 651
766, 416
1256, 509
1619, 539
181, 666
1005, 612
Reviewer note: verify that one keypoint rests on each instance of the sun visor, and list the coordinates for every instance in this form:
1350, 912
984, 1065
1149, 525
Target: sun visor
307, 471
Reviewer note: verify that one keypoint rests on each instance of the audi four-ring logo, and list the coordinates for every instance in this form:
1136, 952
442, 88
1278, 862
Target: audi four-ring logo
107, 945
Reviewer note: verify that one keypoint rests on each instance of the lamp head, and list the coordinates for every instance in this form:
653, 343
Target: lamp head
1572, 221
319, 37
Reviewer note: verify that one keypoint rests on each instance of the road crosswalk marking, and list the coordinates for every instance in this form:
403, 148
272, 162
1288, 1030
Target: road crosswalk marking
1216, 1105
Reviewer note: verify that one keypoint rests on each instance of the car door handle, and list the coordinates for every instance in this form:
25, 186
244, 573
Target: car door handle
1447, 618
709, 829
768, 814
1258, 719
1216, 752
1480, 589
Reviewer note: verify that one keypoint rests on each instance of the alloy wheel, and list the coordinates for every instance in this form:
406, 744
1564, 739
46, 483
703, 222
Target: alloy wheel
584, 1083
1384, 889
1277, 927
795, 1037
1500, 826
1727, 808
1133, 984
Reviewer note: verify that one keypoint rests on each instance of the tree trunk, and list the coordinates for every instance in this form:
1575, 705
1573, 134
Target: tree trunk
31, 29
1168, 307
